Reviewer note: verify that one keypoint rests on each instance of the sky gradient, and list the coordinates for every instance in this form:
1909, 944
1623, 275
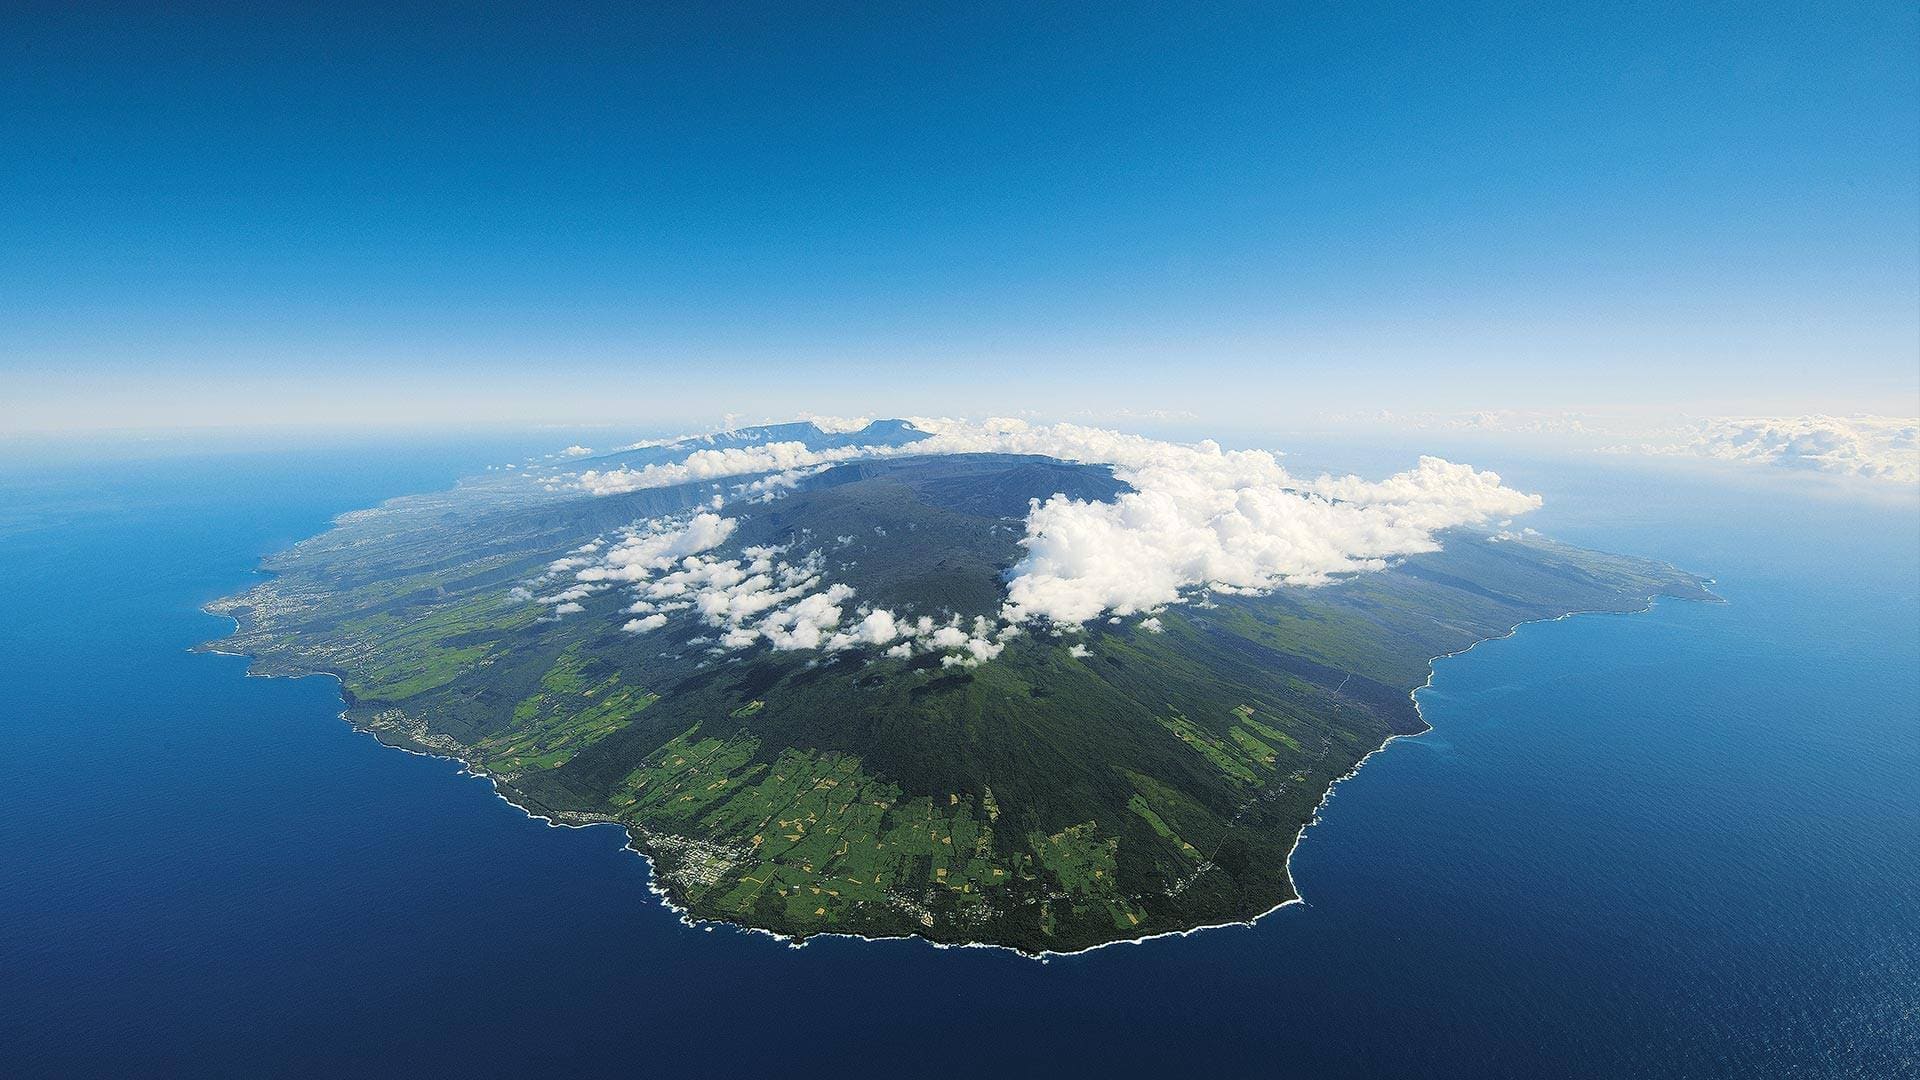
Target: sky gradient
362, 217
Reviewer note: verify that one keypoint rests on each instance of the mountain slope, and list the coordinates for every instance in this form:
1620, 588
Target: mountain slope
1134, 777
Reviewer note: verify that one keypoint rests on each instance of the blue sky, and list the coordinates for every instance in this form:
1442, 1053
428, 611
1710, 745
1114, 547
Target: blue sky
347, 217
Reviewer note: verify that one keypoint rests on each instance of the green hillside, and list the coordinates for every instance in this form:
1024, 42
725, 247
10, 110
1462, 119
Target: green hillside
1075, 789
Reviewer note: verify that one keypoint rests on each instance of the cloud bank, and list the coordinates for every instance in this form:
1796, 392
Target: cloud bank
1198, 517
1876, 447
774, 457
1234, 521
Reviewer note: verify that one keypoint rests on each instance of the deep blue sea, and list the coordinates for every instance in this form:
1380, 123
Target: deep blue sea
1679, 843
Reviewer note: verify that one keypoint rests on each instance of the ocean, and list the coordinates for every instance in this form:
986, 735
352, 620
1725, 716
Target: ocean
1680, 843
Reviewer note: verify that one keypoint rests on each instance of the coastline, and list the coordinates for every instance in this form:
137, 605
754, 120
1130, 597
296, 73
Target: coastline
687, 918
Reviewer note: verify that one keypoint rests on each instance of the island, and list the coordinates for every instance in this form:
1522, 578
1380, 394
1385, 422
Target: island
793, 679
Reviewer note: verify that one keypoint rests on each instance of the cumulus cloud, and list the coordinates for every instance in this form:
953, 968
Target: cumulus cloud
577, 451
878, 628
804, 625
655, 545
1877, 447
764, 597
1198, 517
757, 597
1201, 516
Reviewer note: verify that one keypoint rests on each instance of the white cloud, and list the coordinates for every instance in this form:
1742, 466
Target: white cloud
654, 546
1878, 447
981, 650
756, 597
568, 608
838, 425
804, 625
576, 451
1080, 651
1234, 520
1198, 517
949, 637
717, 464
878, 628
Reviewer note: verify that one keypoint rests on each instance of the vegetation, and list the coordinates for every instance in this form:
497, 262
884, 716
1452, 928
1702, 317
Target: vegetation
1048, 799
